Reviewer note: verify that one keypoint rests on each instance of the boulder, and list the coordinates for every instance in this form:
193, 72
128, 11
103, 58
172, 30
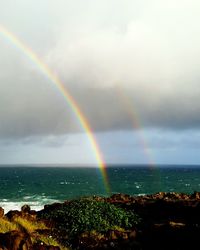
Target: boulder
120, 197
25, 209
13, 214
15, 240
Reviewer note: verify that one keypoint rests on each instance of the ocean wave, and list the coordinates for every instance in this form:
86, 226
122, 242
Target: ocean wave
35, 202
65, 183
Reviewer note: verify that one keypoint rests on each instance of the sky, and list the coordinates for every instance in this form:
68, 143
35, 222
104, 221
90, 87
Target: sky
131, 65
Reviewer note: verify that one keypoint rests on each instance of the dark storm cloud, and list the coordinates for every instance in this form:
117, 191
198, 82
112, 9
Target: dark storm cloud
139, 65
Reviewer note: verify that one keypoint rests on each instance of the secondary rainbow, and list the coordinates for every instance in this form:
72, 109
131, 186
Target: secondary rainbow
65, 93
134, 118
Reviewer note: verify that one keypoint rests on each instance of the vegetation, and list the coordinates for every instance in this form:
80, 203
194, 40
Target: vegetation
28, 225
7, 226
48, 240
31, 227
100, 223
84, 215
65, 224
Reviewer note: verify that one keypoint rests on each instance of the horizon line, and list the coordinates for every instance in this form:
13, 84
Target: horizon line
85, 165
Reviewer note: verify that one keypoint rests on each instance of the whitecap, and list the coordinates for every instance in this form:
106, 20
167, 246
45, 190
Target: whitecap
36, 202
65, 183
9, 205
27, 197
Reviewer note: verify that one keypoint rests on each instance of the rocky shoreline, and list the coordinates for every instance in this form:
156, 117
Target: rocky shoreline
158, 221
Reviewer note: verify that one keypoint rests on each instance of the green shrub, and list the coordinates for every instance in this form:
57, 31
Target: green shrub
87, 214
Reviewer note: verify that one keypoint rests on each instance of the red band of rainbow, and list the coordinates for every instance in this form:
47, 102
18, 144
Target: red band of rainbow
66, 95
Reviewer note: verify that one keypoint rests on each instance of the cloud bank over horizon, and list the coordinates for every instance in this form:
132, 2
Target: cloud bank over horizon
124, 62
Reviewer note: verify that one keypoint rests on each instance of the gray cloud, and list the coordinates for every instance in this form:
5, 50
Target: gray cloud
124, 62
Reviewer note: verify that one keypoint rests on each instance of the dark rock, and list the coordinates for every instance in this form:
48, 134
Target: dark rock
25, 209
55, 205
43, 246
87, 242
32, 215
195, 195
15, 240
13, 214
120, 197
1, 212
132, 234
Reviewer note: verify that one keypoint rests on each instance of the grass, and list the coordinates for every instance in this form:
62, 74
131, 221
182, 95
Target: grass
29, 226
7, 226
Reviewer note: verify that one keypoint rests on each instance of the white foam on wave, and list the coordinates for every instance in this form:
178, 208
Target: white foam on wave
7, 206
35, 202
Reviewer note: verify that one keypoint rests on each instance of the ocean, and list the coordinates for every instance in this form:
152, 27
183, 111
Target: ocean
41, 185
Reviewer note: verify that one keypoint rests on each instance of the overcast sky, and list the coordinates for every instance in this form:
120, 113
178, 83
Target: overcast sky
131, 65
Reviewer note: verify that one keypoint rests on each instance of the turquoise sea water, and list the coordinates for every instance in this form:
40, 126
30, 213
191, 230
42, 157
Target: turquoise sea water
42, 185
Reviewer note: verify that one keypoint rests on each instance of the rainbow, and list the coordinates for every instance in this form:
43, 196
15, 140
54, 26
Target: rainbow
135, 119
45, 70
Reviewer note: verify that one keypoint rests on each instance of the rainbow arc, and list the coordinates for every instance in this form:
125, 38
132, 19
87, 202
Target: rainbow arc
70, 101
